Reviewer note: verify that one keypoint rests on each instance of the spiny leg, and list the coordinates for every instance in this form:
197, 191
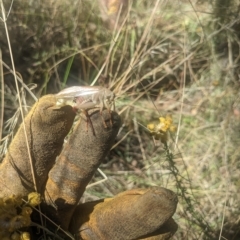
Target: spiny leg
89, 121
104, 122
111, 105
109, 111
101, 109
110, 115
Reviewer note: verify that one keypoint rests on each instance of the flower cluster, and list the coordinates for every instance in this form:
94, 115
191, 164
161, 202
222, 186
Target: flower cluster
16, 214
160, 130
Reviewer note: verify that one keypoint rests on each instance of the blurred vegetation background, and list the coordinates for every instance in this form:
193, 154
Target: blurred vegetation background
160, 57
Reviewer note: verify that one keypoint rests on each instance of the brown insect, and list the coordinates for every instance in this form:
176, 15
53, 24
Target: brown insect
87, 97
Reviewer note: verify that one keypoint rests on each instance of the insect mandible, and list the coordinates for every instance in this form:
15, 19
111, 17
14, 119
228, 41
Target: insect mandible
87, 97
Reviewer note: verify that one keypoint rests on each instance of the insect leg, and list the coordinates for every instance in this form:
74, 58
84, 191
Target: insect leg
109, 111
101, 109
89, 121
104, 123
109, 105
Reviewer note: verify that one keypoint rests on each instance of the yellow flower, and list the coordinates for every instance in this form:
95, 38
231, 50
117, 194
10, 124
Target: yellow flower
34, 199
113, 6
151, 127
26, 211
15, 236
25, 236
161, 129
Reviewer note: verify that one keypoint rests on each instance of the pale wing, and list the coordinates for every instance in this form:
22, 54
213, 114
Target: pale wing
77, 91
